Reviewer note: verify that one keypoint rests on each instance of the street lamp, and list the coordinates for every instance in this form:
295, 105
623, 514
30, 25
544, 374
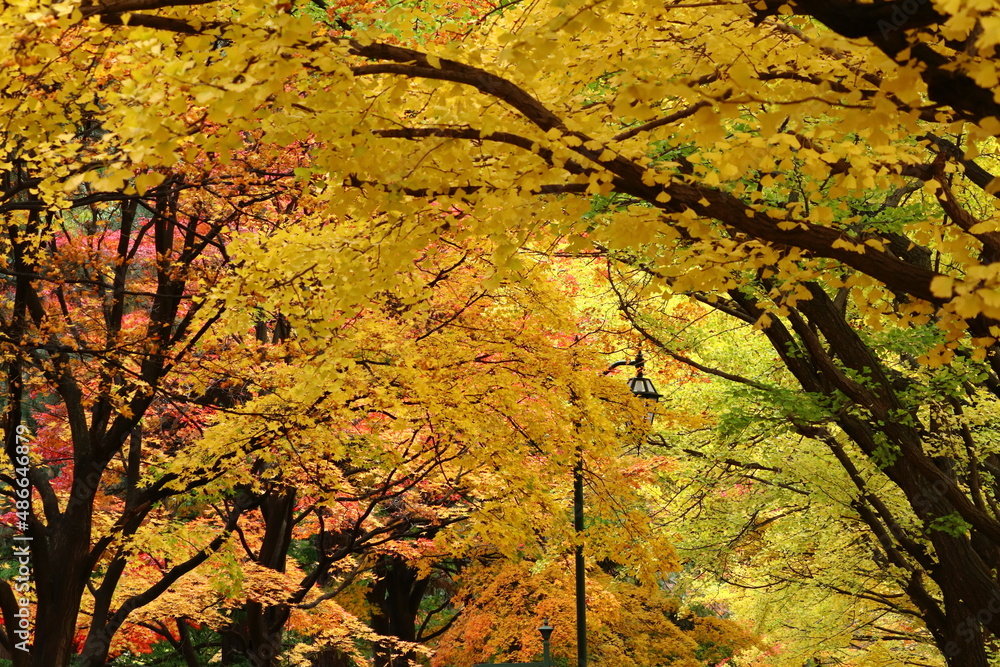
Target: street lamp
640, 385
546, 631
644, 389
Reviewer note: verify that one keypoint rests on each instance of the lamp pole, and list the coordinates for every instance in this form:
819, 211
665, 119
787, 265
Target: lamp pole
581, 573
644, 389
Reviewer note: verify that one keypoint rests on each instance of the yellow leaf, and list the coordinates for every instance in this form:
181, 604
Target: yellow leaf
941, 286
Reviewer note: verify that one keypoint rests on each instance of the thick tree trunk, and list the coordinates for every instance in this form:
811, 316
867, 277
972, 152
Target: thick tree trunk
396, 595
265, 624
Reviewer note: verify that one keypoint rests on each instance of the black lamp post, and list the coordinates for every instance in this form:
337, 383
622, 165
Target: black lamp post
640, 385
644, 389
546, 631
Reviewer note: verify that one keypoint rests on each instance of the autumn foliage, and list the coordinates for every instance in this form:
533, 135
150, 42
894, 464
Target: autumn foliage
307, 308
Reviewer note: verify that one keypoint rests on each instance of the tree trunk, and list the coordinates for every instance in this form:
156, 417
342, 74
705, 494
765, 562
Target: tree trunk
396, 595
